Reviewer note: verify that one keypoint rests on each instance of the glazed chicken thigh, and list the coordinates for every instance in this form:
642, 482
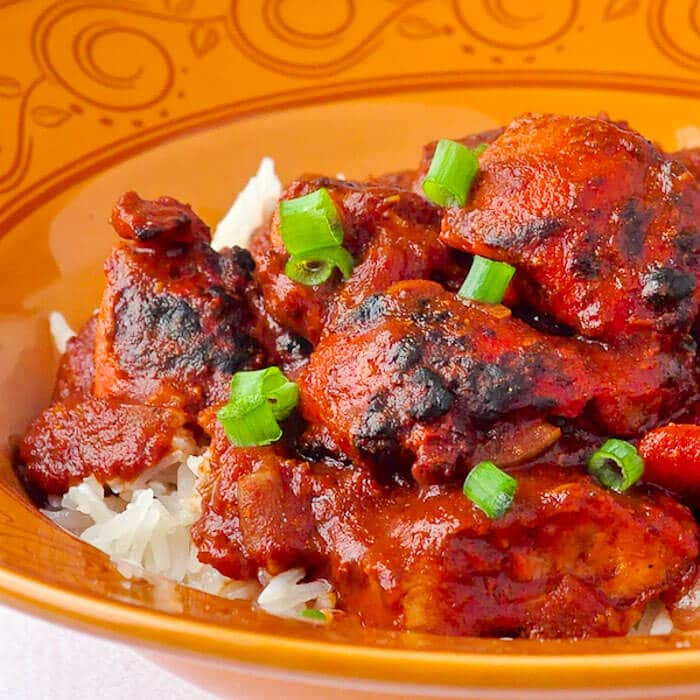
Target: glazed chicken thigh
602, 227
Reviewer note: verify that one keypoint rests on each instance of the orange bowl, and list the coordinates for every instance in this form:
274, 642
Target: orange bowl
183, 97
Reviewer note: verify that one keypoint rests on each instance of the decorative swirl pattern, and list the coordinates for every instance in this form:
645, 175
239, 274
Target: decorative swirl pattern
532, 25
112, 64
675, 29
132, 71
288, 36
282, 18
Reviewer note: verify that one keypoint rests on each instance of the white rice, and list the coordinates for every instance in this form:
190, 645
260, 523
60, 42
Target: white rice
61, 332
655, 620
252, 208
145, 527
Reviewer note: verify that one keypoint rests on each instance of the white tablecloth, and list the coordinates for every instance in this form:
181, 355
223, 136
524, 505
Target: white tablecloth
42, 661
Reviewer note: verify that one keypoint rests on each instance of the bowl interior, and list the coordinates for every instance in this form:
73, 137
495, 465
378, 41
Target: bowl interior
355, 118
54, 257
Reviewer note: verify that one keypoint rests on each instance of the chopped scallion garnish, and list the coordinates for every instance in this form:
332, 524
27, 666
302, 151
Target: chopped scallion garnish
254, 427
310, 222
451, 173
487, 281
313, 236
316, 266
491, 489
313, 614
257, 401
617, 465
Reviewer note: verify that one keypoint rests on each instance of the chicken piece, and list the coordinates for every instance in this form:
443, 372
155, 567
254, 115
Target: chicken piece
76, 371
173, 323
163, 221
671, 456
419, 377
102, 437
391, 233
569, 559
256, 510
601, 226
418, 374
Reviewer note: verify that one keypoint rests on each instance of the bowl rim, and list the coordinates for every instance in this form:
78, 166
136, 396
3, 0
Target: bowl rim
333, 660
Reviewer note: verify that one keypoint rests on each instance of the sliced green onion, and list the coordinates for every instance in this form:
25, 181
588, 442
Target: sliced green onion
490, 489
451, 174
316, 266
487, 281
250, 389
617, 465
255, 427
310, 222
313, 235
313, 614
257, 401
480, 149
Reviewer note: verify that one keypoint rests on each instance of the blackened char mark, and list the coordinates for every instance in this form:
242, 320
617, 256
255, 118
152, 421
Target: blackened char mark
687, 244
521, 235
371, 310
426, 315
406, 353
377, 430
541, 321
633, 231
241, 259
493, 389
431, 398
666, 287
586, 262
294, 345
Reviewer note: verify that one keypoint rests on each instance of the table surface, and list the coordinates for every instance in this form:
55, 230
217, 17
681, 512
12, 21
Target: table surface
40, 660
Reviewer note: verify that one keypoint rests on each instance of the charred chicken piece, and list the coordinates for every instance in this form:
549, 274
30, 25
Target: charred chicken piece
419, 377
601, 226
392, 235
173, 323
418, 374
